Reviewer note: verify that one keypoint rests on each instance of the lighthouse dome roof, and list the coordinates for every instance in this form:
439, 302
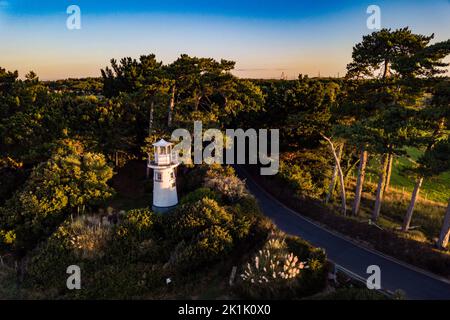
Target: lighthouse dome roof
162, 143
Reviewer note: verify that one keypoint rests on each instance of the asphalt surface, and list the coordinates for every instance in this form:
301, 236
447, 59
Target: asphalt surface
416, 284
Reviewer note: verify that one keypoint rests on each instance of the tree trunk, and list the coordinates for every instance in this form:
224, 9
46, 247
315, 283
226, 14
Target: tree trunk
171, 107
116, 155
341, 175
150, 118
389, 172
360, 181
150, 129
335, 175
197, 102
409, 213
387, 70
349, 169
381, 181
445, 231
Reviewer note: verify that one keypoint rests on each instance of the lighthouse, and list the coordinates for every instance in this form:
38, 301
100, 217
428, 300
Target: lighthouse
165, 195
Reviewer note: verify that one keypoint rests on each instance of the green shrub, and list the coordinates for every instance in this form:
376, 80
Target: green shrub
81, 241
191, 219
304, 250
277, 270
140, 223
241, 227
200, 194
315, 277
128, 281
136, 238
247, 206
48, 264
113, 266
202, 232
299, 179
217, 170
213, 241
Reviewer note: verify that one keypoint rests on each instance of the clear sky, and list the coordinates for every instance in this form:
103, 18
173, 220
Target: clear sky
264, 37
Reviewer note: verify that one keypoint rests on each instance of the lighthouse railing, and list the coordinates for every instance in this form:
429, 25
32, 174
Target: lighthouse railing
164, 159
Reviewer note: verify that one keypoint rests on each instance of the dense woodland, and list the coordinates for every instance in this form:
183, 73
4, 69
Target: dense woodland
346, 144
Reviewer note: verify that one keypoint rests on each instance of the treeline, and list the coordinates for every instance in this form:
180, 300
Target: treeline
58, 146
85, 86
393, 97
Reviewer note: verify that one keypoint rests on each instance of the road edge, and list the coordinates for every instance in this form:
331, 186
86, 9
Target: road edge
348, 239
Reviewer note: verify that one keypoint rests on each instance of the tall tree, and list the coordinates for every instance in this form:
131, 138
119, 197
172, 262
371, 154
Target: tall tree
384, 53
391, 54
432, 163
339, 173
330, 192
432, 125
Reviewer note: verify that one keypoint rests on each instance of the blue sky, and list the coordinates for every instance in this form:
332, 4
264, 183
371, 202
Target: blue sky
265, 37
283, 9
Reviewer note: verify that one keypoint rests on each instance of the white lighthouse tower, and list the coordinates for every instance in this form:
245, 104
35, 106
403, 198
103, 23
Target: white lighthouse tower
164, 180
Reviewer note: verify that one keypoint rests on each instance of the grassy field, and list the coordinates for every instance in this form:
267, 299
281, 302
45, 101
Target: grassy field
426, 221
434, 189
430, 207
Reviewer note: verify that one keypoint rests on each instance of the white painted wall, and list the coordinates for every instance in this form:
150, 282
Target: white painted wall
164, 191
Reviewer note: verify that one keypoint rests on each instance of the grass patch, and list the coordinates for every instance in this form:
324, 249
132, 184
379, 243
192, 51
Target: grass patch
435, 189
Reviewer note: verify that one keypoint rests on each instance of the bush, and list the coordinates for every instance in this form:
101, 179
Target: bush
315, 277
300, 180
209, 246
48, 264
83, 240
214, 241
231, 187
87, 236
107, 255
217, 170
191, 219
136, 238
247, 206
276, 272
200, 194
129, 281
304, 250
139, 223
202, 231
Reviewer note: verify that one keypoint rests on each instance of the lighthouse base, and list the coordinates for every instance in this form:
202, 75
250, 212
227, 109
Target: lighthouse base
162, 209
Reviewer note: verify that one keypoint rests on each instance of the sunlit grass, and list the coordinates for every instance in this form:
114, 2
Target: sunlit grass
426, 221
434, 189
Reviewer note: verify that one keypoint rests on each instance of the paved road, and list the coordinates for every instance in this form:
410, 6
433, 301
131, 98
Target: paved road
394, 275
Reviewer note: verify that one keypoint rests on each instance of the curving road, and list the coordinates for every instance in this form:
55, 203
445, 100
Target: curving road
416, 283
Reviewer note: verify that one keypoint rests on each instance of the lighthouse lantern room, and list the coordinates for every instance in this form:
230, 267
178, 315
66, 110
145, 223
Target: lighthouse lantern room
164, 164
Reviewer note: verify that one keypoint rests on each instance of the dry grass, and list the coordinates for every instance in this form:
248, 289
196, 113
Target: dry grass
426, 221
